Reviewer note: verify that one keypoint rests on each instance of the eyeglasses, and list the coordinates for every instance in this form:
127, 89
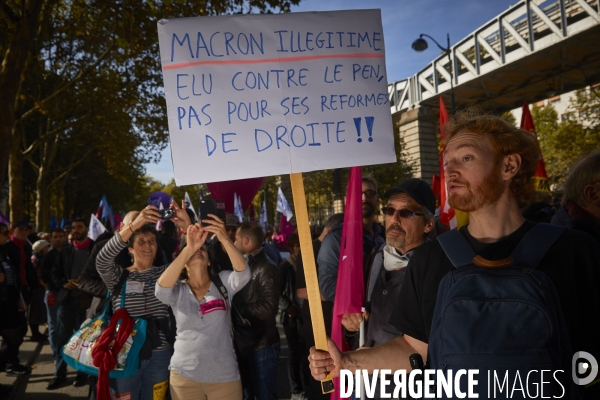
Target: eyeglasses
404, 213
369, 194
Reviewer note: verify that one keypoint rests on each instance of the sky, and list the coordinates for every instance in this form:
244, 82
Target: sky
403, 21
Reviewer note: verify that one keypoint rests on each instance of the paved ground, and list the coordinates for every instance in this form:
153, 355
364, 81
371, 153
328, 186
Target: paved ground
39, 357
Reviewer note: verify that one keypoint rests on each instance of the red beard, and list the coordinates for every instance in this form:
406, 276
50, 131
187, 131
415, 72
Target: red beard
489, 192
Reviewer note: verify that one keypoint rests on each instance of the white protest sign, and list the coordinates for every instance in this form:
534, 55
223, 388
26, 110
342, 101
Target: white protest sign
259, 95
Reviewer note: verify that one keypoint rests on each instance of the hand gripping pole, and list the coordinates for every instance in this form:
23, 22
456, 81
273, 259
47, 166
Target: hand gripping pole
310, 271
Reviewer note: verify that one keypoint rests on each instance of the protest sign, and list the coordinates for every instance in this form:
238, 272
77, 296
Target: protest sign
260, 95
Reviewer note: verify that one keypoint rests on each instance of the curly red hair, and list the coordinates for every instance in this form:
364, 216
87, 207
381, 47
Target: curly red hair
506, 139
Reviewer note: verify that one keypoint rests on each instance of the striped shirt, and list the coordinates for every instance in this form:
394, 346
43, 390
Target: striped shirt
140, 300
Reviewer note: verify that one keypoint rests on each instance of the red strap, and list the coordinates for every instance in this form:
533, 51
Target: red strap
105, 351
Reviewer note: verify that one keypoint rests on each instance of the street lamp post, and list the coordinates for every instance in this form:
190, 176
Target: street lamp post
421, 44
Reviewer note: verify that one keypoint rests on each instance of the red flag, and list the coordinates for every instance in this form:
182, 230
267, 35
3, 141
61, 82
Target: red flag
118, 221
349, 294
446, 213
436, 186
540, 177
448, 216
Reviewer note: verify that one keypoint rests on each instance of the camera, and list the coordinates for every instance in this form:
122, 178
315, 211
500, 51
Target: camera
166, 214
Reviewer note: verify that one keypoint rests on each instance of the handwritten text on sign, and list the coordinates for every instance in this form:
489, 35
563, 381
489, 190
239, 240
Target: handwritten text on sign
260, 95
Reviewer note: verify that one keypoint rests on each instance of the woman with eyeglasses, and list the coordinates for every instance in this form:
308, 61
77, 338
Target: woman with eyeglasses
204, 364
140, 237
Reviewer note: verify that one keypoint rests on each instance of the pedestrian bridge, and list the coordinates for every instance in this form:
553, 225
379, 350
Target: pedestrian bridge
534, 50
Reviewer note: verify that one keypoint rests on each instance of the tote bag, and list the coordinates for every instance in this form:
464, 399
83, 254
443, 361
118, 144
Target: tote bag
78, 351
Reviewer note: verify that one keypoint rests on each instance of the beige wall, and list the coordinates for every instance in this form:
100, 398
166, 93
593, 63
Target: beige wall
418, 129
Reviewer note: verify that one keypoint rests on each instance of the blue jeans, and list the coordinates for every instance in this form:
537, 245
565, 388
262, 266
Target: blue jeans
150, 382
69, 318
52, 312
261, 365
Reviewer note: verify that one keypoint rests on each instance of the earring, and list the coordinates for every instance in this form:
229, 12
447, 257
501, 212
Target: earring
131, 254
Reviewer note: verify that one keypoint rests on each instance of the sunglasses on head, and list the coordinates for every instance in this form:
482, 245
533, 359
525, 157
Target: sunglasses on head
369, 194
404, 212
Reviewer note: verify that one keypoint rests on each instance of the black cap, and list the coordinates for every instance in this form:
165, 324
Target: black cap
21, 224
418, 190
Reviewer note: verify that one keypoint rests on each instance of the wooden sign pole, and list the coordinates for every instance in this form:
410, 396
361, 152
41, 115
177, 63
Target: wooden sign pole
310, 271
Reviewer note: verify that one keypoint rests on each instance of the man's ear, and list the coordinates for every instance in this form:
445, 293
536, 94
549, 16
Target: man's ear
591, 195
510, 166
429, 226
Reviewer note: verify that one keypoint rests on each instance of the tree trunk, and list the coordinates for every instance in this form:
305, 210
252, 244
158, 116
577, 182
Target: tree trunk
12, 70
41, 199
15, 181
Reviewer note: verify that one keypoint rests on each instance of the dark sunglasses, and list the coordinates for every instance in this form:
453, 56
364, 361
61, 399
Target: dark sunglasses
404, 213
369, 194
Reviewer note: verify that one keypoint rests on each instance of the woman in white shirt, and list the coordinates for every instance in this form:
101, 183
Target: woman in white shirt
204, 364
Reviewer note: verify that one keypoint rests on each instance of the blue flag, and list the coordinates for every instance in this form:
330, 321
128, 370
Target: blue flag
283, 206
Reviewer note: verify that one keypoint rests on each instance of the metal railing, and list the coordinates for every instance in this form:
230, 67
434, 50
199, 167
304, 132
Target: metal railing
527, 27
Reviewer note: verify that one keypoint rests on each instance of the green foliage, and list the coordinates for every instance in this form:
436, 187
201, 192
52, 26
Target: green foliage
90, 104
508, 116
562, 143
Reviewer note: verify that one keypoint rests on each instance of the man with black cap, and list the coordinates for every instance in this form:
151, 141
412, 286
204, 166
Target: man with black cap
408, 221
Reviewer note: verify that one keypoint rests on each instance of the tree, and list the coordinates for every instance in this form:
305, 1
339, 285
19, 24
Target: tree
100, 53
562, 143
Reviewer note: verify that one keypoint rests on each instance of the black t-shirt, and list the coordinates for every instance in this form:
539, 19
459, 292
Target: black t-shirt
572, 263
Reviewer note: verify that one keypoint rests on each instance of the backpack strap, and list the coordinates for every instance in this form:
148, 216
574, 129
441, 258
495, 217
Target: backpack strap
216, 278
219, 284
534, 245
457, 248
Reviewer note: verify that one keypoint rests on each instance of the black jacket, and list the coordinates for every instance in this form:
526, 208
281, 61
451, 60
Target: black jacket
46, 269
258, 301
14, 253
89, 280
7, 262
382, 298
562, 218
61, 273
288, 291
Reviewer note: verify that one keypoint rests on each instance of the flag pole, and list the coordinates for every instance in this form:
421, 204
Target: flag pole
361, 343
310, 271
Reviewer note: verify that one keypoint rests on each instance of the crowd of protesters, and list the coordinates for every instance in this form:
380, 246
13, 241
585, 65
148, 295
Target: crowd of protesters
213, 275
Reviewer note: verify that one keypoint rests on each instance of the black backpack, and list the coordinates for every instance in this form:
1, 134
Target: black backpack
504, 320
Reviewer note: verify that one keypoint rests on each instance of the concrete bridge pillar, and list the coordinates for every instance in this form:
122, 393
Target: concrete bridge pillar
419, 130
